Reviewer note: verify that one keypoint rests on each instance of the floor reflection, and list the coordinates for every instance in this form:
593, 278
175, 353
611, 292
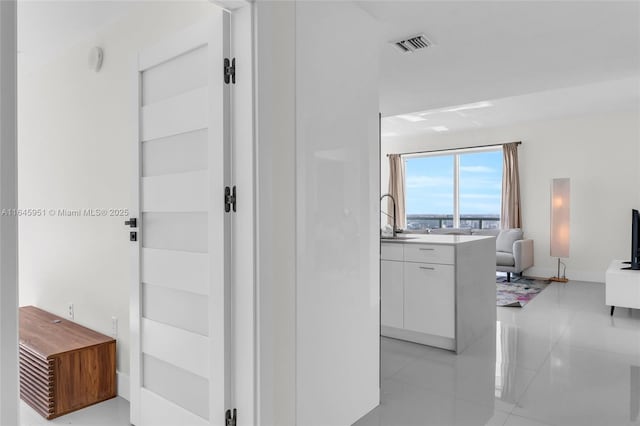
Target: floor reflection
561, 360
424, 385
506, 344
634, 394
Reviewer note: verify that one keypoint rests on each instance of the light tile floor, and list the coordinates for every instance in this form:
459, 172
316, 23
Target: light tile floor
114, 412
559, 361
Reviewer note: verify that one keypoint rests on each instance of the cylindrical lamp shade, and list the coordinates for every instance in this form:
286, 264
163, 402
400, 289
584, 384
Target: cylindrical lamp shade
560, 193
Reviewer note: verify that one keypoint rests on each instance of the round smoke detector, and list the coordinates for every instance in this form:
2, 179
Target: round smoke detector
96, 55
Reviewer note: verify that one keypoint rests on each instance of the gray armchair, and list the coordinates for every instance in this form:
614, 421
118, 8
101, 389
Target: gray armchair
513, 253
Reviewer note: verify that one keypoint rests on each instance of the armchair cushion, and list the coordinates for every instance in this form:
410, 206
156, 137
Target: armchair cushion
504, 259
506, 239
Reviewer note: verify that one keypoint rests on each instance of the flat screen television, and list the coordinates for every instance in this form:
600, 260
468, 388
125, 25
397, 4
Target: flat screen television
635, 241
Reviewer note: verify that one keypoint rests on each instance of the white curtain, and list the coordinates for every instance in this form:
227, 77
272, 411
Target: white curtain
396, 189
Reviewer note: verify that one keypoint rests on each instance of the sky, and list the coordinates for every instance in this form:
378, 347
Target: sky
429, 184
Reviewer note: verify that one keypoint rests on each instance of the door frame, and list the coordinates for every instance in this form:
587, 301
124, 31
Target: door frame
9, 405
244, 391
244, 306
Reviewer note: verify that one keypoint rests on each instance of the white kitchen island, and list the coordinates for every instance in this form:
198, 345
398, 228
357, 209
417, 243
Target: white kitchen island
438, 290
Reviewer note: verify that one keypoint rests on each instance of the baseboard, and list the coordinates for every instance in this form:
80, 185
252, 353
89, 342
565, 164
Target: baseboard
123, 385
422, 338
572, 274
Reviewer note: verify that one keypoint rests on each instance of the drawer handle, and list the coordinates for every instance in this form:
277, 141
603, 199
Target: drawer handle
429, 249
426, 267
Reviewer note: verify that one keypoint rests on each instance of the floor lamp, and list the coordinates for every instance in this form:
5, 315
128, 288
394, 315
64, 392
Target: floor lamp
560, 195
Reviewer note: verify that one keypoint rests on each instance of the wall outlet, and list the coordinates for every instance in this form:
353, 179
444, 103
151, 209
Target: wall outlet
114, 327
70, 311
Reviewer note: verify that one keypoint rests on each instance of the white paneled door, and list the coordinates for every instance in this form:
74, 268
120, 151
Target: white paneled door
179, 319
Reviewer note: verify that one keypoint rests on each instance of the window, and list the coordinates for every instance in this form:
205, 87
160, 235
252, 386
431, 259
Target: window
429, 192
454, 190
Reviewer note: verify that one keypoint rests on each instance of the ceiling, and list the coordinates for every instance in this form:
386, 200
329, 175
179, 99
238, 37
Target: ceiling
489, 50
483, 50
550, 104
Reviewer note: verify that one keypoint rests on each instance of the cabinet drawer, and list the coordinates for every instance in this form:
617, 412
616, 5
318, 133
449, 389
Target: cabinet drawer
391, 251
429, 299
429, 253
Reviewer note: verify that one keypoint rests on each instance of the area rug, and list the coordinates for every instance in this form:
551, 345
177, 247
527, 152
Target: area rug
518, 292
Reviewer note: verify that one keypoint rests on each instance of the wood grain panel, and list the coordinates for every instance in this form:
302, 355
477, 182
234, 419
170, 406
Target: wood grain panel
45, 334
63, 366
85, 377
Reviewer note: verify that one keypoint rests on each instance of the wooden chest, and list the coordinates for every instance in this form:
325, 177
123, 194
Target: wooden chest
63, 366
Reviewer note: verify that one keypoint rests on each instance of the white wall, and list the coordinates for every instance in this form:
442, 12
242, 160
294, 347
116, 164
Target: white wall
275, 211
600, 154
8, 222
75, 146
317, 197
337, 258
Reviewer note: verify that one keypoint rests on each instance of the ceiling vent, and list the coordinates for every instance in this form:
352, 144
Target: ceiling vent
411, 44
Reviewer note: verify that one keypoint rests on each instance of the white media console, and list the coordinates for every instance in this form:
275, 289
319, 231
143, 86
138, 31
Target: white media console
622, 287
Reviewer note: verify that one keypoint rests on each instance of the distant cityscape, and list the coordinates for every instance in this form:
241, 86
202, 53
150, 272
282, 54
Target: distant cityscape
421, 222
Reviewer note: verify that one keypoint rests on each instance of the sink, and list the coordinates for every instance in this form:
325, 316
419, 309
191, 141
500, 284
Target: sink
399, 237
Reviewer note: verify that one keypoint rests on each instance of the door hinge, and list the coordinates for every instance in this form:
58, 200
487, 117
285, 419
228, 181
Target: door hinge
230, 70
231, 418
229, 199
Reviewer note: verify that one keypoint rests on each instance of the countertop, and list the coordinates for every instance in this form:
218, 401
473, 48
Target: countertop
435, 239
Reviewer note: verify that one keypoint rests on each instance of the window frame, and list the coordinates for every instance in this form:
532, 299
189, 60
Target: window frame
455, 153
